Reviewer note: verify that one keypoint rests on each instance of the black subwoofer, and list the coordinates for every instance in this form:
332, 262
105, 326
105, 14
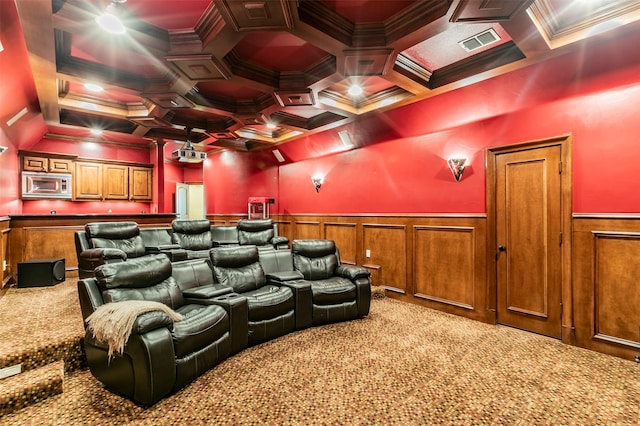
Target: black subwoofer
40, 272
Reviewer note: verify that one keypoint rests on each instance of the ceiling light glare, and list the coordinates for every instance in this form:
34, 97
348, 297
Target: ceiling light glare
271, 126
355, 90
110, 22
93, 87
96, 132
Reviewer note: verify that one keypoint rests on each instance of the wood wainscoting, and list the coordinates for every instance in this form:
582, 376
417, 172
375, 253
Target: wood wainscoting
606, 267
4, 250
52, 236
438, 261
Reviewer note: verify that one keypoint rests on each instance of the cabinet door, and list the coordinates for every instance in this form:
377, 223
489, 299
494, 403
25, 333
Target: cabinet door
88, 181
115, 181
140, 184
35, 164
59, 165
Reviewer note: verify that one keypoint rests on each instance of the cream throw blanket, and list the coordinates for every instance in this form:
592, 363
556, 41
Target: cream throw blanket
111, 323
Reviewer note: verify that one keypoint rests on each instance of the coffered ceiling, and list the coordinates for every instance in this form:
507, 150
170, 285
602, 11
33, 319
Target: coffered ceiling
251, 74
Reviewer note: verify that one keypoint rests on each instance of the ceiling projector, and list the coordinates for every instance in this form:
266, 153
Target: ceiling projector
187, 153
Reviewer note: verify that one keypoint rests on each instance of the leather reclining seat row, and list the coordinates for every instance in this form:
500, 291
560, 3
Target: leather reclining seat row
109, 242
239, 297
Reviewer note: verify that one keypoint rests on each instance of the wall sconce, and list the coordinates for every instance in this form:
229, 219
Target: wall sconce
456, 165
317, 182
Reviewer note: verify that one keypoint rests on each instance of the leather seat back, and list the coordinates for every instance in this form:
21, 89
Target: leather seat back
147, 278
193, 273
256, 232
316, 259
156, 237
238, 268
121, 235
192, 234
224, 234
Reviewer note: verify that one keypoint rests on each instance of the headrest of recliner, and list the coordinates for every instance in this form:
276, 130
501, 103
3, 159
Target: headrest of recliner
313, 248
112, 230
134, 273
191, 226
234, 257
255, 225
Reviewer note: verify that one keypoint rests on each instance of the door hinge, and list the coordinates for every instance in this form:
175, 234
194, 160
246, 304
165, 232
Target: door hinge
559, 167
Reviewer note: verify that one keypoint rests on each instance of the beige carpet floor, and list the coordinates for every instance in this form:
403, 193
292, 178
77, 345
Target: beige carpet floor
402, 365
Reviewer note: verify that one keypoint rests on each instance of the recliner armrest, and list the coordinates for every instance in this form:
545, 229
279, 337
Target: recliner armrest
238, 311
352, 272
280, 277
280, 242
303, 299
161, 248
193, 295
150, 321
101, 254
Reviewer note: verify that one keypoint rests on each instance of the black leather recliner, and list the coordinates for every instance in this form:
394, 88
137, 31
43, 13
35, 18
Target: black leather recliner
261, 233
193, 235
338, 292
110, 242
271, 307
160, 356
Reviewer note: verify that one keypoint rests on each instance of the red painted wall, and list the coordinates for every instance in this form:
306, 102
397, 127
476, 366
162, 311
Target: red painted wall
231, 177
400, 164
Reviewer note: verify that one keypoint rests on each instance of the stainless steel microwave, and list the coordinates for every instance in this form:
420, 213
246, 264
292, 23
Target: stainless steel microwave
46, 185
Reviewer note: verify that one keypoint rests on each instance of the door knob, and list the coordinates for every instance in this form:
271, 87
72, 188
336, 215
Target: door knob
502, 248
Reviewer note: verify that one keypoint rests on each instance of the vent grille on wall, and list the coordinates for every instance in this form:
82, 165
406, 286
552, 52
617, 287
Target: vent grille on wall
479, 40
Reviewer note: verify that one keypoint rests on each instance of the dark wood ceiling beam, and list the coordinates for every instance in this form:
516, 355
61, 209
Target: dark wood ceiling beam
35, 19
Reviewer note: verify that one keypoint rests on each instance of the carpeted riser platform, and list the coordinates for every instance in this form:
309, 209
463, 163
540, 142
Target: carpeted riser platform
69, 351
31, 387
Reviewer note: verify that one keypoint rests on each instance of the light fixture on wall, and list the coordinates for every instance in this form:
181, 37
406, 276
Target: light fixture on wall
456, 165
3, 149
109, 19
317, 182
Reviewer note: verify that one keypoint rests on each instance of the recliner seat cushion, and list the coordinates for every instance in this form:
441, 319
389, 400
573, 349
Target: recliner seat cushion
269, 302
333, 291
200, 325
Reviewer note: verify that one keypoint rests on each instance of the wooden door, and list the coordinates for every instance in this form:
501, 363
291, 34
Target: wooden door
528, 195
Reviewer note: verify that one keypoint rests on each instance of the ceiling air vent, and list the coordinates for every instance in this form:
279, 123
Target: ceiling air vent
479, 40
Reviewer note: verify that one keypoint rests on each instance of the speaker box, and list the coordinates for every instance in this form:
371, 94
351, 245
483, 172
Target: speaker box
40, 272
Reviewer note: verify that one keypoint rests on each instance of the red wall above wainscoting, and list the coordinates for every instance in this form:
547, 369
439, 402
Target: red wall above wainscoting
400, 164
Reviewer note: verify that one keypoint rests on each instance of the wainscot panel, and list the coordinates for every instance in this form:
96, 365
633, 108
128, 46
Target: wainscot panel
606, 292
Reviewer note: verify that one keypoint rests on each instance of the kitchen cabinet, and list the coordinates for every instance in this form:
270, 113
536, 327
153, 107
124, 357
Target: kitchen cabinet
31, 163
113, 181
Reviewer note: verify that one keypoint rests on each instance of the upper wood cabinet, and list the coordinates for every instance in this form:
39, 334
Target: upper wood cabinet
46, 164
115, 182
107, 181
87, 182
140, 183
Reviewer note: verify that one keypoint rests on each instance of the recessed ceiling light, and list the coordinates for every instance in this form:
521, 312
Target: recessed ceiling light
109, 20
271, 125
355, 90
93, 87
96, 132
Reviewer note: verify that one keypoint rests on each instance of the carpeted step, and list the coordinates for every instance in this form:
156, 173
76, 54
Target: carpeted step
31, 386
37, 354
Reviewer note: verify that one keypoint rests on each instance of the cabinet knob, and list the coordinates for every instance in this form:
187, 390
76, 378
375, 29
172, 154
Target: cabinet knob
502, 248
